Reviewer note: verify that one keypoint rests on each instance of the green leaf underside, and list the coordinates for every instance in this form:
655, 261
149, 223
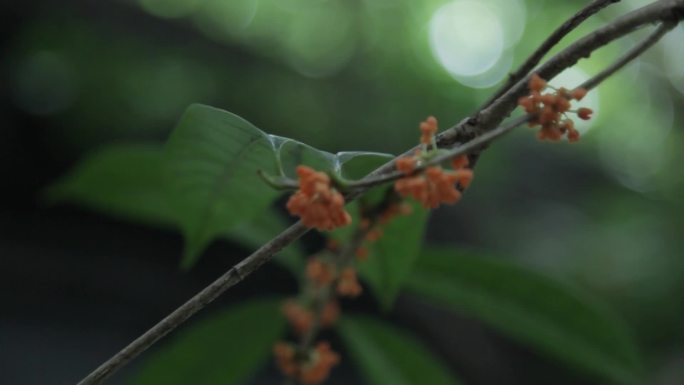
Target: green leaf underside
212, 159
387, 355
226, 348
531, 308
392, 257
126, 181
204, 180
123, 181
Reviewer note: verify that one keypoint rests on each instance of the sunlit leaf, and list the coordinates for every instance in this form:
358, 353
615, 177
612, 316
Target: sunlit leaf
226, 348
532, 308
387, 355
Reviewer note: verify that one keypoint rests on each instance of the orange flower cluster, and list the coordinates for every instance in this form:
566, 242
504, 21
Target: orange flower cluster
549, 110
319, 272
434, 186
348, 285
301, 318
311, 371
319, 205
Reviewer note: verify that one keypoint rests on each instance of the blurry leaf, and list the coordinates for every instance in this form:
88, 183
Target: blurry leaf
226, 348
387, 355
392, 257
212, 158
124, 181
531, 308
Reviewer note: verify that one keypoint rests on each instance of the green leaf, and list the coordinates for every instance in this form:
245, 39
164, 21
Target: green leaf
226, 348
392, 257
387, 355
531, 308
349, 164
212, 159
204, 181
124, 181
357, 164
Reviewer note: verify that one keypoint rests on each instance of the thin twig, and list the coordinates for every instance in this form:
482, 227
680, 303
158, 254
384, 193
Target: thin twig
555, 37
463, 149
662, 10
632, 54
236, 274
468, 129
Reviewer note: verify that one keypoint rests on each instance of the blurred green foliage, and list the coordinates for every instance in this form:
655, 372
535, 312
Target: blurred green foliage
358, 75
388, 355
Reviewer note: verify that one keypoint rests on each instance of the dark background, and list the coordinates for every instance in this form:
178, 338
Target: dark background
76, 285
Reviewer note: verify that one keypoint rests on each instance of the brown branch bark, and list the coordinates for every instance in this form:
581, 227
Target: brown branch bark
666, 11
550, 42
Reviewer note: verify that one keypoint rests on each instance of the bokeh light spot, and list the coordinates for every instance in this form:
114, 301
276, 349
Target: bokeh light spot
674, 57
466, 37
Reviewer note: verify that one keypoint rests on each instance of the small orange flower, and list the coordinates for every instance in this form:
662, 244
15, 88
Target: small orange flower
319, 205
348, 285
406, 164
578, 93
310, 370
361, 253
374, 234
330, 314
286, 358
584, 113
435, 186
460, 162
319, 272
300, 318
536, 83
428, 129
394, 210
317, 369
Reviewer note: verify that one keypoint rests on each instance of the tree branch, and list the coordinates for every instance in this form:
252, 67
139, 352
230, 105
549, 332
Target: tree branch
484, 121
662, 10
466, 148
632, 54
555, 37
236, 274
